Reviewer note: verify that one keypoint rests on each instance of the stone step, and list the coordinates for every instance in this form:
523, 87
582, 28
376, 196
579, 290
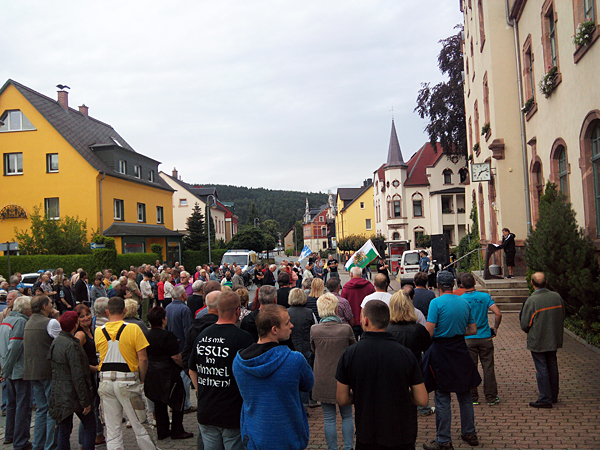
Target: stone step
509, 307
509, 299
503, 292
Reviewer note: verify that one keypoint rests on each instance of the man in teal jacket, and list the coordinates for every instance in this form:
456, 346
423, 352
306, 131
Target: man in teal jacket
542, 319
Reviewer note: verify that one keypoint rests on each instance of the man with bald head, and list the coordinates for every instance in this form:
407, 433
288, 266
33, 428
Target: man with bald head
210, 368
542, 319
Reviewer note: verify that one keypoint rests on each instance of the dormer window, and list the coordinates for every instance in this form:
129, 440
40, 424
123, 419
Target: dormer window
114, 139
15, 121
123, 167
137, 171
151, 176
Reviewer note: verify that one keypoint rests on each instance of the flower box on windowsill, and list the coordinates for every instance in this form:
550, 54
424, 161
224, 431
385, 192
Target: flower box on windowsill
550, 81
582, 49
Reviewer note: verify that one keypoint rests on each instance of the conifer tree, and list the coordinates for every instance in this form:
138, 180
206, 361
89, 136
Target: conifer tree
195, 229
561, 249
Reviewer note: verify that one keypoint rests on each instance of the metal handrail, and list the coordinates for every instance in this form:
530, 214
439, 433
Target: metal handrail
464, 256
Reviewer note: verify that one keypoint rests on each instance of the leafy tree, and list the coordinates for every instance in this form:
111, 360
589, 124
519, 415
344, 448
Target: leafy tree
271, 227
64, 236
562, 250
253, 214
252, 238
195, 237
424, 241
352, 242
444, 103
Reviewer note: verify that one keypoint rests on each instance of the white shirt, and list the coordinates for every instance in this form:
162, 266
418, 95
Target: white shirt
53, 328
383, 296
420, 317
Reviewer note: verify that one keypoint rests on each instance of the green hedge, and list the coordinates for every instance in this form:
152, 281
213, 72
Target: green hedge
193, 258
125, 261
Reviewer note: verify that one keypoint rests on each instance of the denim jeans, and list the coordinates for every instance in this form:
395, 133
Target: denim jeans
443, 415
89, 434
187, 383
546, 372
44, 434
18, 412
216, 438
330, 421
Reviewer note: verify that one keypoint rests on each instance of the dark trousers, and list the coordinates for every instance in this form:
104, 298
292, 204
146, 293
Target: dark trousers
361, 446
162, 421
546, 368
358, 331
483, 350
66, 427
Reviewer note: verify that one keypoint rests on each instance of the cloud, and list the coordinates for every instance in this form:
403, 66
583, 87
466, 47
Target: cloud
280, 94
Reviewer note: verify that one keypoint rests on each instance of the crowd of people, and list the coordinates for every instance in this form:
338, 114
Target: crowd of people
126, 349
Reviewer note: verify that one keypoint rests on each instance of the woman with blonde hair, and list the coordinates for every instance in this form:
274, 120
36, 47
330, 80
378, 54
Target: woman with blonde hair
317, 287
244, 299
328, 341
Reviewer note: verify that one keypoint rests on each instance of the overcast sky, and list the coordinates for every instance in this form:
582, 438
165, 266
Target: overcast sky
275, 94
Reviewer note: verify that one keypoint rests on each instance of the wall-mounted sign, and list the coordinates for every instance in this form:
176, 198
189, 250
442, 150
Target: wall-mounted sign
13, 212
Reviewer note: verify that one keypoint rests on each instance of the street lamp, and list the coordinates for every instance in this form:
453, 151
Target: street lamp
208, 206
256, 222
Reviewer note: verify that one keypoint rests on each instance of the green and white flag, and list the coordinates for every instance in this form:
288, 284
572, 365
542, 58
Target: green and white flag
363, 257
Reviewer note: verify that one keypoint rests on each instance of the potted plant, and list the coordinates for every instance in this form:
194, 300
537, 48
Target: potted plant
528, 105
548, 81
485, 129
583, 34
476, 147
460, 210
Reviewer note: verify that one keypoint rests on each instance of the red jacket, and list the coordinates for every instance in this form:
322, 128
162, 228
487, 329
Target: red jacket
355, 291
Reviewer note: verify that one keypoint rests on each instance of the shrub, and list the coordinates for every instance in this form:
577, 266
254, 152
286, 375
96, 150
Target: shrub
127, 260
289, 252
103, 258
33, 263
193, 258
157, 249
469, 243
561, 249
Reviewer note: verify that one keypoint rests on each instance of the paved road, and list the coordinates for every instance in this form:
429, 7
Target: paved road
573, 423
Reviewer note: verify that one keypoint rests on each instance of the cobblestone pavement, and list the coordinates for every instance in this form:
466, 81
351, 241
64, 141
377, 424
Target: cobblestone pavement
573, 423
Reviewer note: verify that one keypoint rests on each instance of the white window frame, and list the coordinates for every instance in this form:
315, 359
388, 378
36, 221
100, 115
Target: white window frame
49, 168
151, 176
160, 214
17, 156
49, 207
141, 212
183, 202
368, 224
119, 209
137, 171
122, 166
15, 120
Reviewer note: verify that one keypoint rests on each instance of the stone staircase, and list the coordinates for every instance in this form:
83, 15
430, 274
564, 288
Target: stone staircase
509, 293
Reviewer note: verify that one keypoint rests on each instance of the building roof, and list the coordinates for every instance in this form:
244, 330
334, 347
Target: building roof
362, 191
394, 153
425, 157
83, 133
139, 229
199, 192
348, 194
381, 173
454, 190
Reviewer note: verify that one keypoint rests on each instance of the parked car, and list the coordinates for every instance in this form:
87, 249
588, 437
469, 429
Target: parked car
29, 279
409, 266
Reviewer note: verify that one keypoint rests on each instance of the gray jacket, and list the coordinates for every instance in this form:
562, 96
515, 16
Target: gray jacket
12, 355
542, 319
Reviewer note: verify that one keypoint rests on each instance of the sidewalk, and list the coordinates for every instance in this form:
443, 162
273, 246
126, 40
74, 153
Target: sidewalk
573, 423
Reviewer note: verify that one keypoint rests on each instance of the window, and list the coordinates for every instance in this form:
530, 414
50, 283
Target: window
141, 212
471, 133
417, 208
563, 171
13, 164
116, 141
51, 162
137, 171
396, 236
481, 25
486, 101
447, 176
151, 176
323, 231
463, 174
588, 9
160, 215
476, 124
397, 209
15, 121
51, 208
595, 143
549, 37
362, 205
368, 224
183, 202
528, 79
119, 206
122, 166
321, 219
447, 205
419, 233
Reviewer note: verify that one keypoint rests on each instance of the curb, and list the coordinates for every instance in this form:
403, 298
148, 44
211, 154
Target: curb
582, 341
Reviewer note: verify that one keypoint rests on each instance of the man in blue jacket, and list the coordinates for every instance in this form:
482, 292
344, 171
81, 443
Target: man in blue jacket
270, 377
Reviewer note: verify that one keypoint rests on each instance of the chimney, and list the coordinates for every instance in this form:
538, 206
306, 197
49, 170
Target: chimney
369, 181
175, 174
63, 99
84, 110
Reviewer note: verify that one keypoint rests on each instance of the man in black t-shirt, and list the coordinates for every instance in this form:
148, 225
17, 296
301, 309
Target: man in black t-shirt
332, 266
210, 368
382, 378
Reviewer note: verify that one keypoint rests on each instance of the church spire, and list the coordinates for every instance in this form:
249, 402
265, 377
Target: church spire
394, 153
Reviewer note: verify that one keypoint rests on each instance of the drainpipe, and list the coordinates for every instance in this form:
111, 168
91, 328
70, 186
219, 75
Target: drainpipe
514, 25
101, 209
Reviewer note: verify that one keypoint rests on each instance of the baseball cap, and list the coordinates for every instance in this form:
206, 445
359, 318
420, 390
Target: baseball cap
445, 278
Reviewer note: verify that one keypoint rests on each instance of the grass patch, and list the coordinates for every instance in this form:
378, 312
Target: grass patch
591, 336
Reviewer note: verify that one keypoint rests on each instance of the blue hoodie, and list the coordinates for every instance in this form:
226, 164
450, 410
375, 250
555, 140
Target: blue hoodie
272, 414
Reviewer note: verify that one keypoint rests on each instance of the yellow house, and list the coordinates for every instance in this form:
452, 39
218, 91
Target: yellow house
355, 211
70, 164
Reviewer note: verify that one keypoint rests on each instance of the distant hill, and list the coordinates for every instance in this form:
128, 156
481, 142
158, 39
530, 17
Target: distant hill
286, 207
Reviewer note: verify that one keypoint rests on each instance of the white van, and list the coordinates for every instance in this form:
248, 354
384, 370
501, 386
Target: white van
246, 259
409, 265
